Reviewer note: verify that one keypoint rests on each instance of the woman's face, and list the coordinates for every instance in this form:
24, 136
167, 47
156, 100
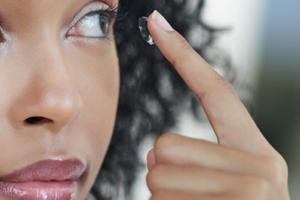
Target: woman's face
60, 66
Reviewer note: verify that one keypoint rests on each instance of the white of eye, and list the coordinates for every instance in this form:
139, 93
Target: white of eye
95, 25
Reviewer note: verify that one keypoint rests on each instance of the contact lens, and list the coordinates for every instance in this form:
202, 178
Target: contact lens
144, 30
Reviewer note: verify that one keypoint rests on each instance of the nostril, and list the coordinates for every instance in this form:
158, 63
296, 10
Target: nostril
36, 120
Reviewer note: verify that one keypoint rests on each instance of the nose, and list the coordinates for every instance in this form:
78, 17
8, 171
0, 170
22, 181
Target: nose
48, 96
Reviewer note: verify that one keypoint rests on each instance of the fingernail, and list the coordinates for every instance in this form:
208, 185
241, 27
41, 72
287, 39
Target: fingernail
161, 21
150, 159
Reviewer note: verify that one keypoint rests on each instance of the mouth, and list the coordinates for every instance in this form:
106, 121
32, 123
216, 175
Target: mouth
43, 180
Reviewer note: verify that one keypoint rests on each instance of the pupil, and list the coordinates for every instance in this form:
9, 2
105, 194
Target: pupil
144, 30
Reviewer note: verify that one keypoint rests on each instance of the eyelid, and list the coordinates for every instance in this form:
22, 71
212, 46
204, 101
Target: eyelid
94, 6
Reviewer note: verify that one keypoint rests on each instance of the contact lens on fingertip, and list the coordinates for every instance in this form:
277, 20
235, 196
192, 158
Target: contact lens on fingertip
144, 30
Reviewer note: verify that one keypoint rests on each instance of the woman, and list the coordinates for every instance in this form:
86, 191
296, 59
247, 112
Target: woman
60, 86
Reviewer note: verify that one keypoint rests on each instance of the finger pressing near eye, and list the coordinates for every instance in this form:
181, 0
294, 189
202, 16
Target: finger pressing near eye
228, 116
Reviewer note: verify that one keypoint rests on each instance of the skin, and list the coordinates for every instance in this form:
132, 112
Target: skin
44, 73
243, 165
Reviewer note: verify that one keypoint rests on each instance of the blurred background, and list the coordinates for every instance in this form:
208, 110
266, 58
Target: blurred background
264, 44
278, 86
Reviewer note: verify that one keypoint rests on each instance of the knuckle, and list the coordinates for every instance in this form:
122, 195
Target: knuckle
163, 145
218, 83
261, 184
257, 187
221, 83
278, 169
159, 195
165, 140
154, 176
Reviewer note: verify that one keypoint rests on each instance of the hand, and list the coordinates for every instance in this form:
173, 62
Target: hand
243, 165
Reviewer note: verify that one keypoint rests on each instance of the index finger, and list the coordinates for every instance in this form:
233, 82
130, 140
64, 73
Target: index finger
228, 116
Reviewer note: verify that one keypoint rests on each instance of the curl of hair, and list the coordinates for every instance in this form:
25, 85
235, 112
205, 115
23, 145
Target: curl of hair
151, 92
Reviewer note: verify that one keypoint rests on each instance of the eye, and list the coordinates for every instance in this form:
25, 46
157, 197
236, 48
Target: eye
94, 24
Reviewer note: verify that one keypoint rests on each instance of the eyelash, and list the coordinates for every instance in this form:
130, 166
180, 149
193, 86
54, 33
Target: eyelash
109, 13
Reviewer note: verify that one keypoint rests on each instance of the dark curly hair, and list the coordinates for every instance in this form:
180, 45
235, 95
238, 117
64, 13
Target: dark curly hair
151, 92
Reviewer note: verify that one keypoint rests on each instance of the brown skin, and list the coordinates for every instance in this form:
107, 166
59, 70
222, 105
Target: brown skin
44, 74
74, 82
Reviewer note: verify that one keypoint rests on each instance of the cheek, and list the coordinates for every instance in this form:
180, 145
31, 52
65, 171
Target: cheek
96, 74
93, 71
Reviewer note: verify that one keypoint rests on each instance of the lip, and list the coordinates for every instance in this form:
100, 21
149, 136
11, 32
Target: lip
46, 179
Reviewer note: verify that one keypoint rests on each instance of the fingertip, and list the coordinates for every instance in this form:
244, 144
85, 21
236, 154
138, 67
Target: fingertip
156, 19
150, 22
162, 33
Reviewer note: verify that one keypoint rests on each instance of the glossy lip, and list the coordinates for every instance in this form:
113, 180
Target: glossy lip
47, 170
47, 179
